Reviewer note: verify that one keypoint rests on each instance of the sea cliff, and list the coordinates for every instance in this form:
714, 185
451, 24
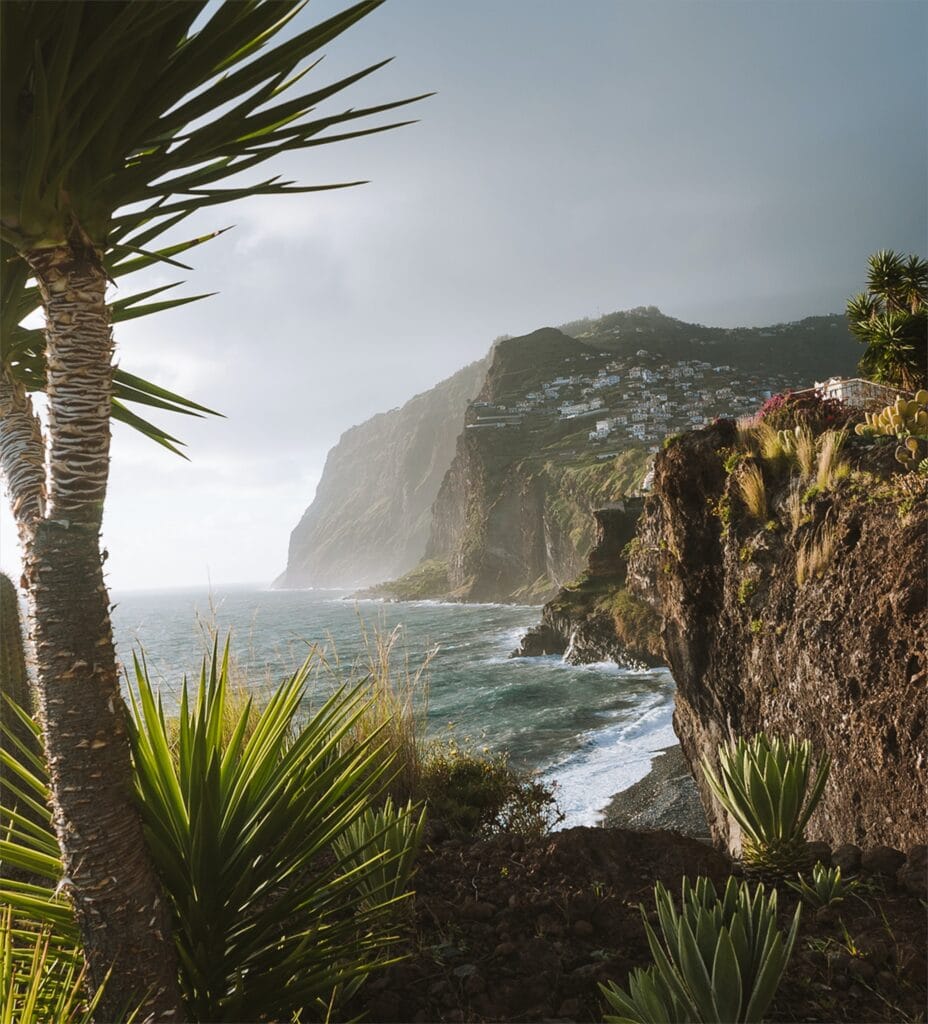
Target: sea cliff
811, 620
595, 618
371, 514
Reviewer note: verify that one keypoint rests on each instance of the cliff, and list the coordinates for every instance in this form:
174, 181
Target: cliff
513, 520
595, 618
799, 609
565, 422
371, 515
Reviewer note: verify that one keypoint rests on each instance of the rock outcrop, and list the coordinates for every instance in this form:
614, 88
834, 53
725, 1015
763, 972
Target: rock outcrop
595, 618
810, 619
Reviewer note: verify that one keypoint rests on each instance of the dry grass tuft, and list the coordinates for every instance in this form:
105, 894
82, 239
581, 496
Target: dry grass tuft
831, 468
770, 446
794, 505
398, 709
815, 555
746, 426
753, 491
805, 454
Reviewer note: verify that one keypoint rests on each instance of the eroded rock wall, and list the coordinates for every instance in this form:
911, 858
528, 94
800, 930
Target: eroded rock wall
594, 619
839, 658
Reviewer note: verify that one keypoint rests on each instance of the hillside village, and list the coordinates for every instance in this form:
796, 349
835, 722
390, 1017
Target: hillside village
637, 400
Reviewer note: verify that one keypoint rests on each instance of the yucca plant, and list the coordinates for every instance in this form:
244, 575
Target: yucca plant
720, 960
826, 888
118, 121
42, 969
766, 785
389, 838
891, 319
267, 922
41, 981
30, 864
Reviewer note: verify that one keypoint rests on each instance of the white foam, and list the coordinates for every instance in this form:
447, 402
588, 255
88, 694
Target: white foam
610, 760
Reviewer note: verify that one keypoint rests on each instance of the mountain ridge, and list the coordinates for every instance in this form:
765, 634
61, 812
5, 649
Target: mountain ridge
488, 474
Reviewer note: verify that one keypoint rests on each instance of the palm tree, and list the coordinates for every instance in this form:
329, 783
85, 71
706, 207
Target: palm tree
891, 318
117, 122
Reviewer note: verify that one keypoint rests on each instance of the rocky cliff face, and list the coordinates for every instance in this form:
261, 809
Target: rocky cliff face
371, 515
506, 530
808, 619
595, 618
525, 470
513, 518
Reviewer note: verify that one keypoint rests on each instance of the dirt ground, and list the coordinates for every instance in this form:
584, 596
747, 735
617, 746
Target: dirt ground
508, 930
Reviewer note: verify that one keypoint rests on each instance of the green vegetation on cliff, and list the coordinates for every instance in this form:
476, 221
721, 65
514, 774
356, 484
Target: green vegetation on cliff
428, 581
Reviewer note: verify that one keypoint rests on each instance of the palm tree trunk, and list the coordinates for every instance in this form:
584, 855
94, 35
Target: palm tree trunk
123, 919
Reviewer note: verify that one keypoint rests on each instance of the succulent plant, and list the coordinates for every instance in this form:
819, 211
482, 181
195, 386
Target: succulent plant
827, 887
904, 418
763, 785
15, 693
14, 681
392, 835
912, 452
720, 961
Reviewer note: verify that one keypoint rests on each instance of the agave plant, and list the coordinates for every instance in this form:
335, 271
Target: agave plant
826, 888
764, 784
390, 837
267, 921
720, 961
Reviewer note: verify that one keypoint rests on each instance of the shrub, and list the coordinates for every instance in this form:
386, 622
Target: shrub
477, 793
720, 960
637, 624
764, 784
810, 410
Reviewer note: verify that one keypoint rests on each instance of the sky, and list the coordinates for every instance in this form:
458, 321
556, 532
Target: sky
730, 162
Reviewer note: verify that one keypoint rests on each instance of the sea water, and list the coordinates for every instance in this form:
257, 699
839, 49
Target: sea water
590, 730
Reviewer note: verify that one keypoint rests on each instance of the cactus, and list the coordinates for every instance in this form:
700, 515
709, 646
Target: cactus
912, 453
905, 419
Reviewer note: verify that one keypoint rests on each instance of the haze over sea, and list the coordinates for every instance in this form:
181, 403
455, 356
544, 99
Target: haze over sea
590, 729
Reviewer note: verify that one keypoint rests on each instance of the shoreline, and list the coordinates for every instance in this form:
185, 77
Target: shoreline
666, 798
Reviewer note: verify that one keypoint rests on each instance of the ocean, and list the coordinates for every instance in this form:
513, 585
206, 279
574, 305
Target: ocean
590, 730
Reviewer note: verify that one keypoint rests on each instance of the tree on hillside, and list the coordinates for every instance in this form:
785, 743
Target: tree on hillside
891, 318
118, 121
